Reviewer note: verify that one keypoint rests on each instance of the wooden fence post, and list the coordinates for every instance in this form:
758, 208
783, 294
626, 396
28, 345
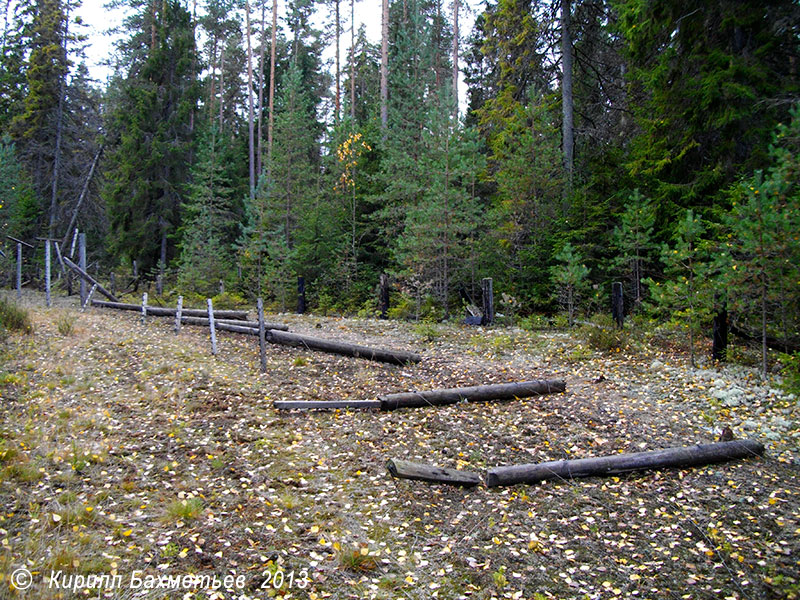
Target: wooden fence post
262, 337
178, 314
82, 263
113, 283
160, 279
221, 287
47, 272
719, 347
488, 301
19, 271
144, 307
301, 295
212, 327
617, 304
384, 305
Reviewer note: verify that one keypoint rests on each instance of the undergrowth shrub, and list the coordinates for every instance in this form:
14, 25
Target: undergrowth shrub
602, 334
65, 324
14, 318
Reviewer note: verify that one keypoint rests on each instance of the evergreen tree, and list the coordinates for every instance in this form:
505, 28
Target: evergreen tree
209, 220
571, 277
150, 133
763, 258
634, 240
687, 294
711, 81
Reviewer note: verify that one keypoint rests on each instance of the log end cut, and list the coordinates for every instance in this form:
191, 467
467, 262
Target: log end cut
403, 469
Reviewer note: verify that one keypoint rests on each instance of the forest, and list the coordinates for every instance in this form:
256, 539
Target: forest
655, 144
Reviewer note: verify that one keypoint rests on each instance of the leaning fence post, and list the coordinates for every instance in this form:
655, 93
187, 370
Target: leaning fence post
88, 300
19, 271
211, 327
178, 312
262, 339
144, 307
47, 272
82, 263
617, 304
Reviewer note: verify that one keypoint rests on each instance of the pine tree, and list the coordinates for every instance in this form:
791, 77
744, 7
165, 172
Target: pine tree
571, 277
634, 240
687, 294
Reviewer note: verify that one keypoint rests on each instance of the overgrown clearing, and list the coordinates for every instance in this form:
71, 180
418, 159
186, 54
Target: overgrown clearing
127, 448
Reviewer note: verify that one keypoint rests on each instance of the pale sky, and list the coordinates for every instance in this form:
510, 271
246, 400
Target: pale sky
99, 21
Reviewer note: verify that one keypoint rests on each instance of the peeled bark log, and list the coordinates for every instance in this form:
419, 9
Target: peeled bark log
84, 275
236, 322
165, 311
326, 404
304, 341
692, 456
432, 474
480, 393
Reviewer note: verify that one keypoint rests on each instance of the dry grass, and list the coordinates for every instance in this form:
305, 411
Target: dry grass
127, 447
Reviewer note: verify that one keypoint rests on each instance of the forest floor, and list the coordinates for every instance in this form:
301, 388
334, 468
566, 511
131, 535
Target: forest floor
129, 451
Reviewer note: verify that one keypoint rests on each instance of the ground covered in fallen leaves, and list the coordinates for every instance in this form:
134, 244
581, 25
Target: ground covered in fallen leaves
129, 451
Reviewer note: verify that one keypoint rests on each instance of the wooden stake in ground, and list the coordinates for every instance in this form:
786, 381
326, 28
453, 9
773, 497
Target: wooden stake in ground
262, 340
47, 272
479, 393
432, 474
211, 327
19, 270
617, 304
683, 458
488, 301
178, 312
301, 295
384, 285
144, 307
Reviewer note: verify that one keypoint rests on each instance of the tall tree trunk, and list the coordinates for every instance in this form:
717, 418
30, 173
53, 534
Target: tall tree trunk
455, 57
260, 151
221, 84
59, 129
566, 92
337, 100
352, 59
272, 54
385, 64
250, 131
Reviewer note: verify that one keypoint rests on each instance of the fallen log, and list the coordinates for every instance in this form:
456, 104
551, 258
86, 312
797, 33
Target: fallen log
408, 470
326, 404
691, 456
84, 275
397, 357
479, 393
236, 322
165, 311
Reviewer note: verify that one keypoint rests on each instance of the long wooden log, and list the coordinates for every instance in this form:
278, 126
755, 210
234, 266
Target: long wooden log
404, 469
325, 404
84, 275
397, 357
247, 324
165, 311
789, 345
691, 456
479, 393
